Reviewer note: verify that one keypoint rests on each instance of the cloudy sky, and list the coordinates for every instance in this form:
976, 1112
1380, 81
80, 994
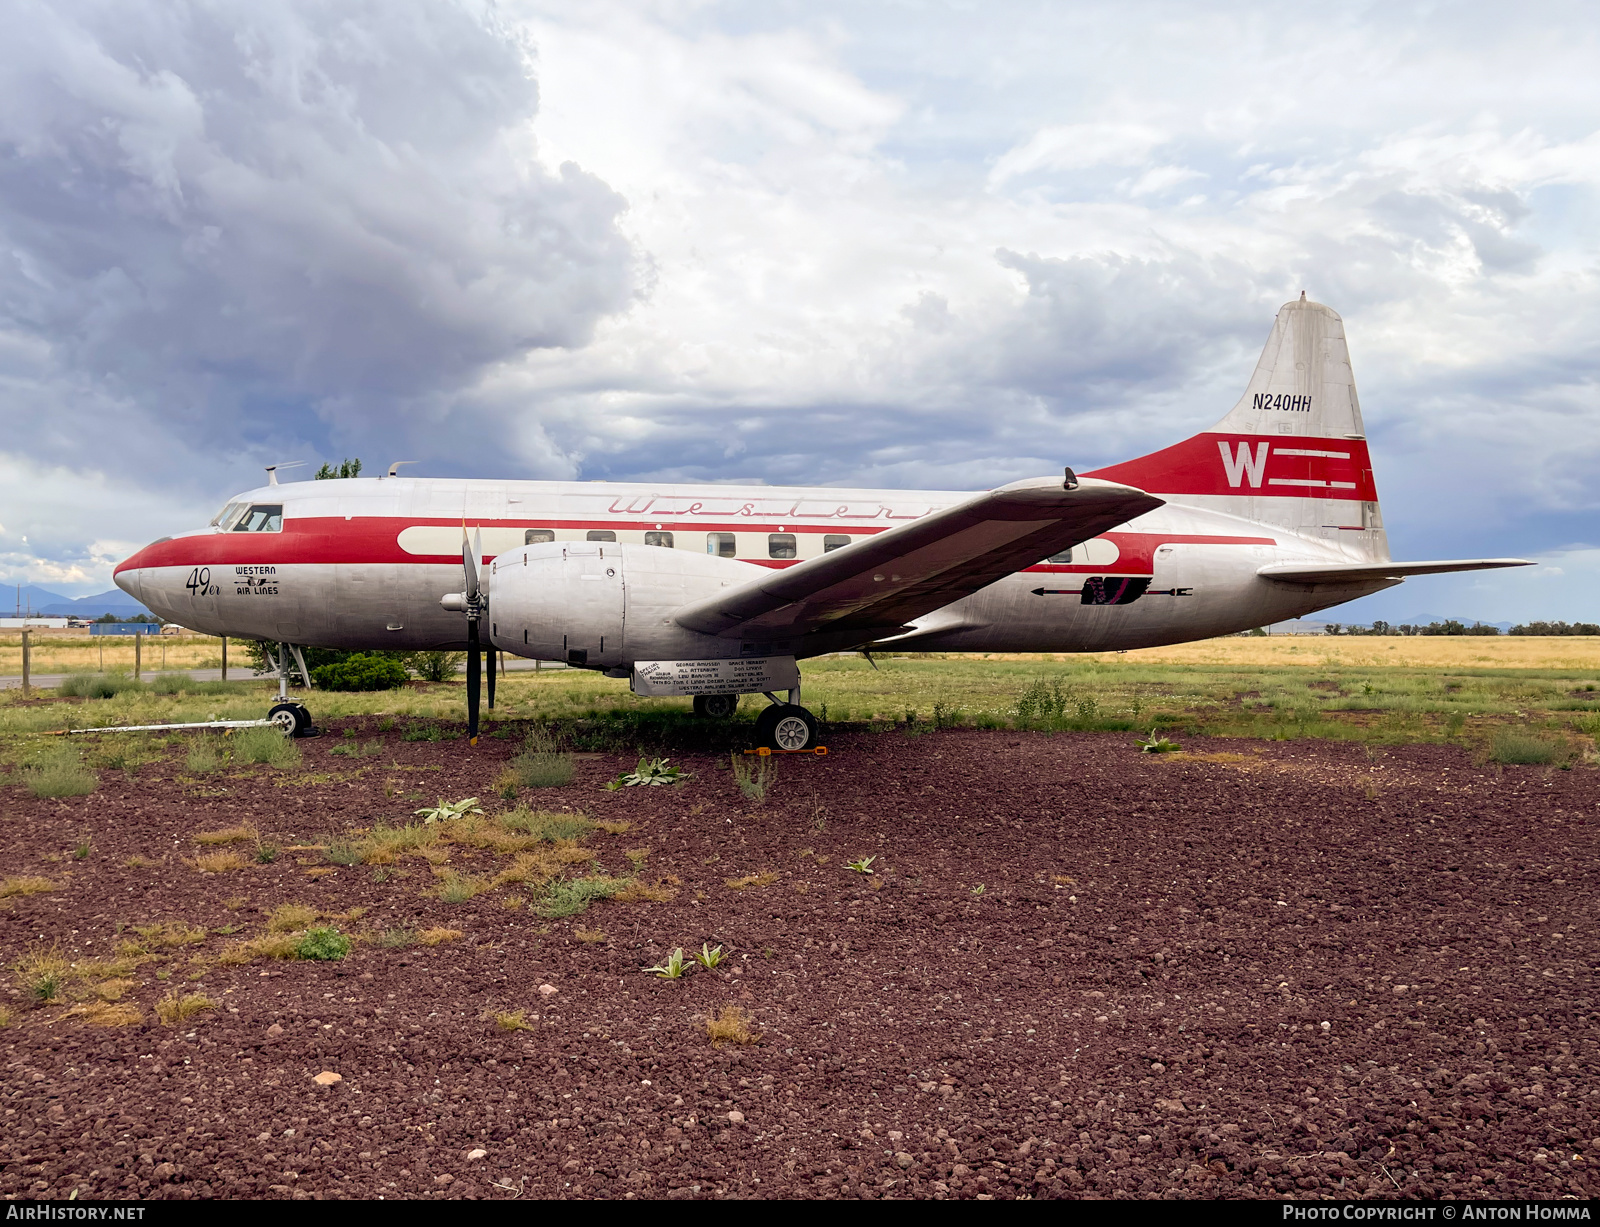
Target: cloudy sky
906, 244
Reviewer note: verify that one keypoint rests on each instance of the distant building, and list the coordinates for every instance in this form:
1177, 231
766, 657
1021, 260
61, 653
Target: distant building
122, 628
34, 623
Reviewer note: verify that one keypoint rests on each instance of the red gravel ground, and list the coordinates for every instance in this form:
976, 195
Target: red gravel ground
1259, 969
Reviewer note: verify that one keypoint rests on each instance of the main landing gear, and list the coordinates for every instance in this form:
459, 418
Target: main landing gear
786, 726
287, 716
716, 706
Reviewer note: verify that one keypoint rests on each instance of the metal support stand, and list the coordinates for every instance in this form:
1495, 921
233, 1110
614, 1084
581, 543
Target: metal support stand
224, 658
305, 674
280, 661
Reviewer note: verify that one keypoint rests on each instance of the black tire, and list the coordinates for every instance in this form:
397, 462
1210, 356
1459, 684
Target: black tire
716, 706
786, 726
291, 719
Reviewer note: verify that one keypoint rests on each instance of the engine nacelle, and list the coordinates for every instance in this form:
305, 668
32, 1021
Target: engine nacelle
602, 605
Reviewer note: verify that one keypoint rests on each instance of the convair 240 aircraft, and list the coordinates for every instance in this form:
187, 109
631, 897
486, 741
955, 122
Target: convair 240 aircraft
717, 591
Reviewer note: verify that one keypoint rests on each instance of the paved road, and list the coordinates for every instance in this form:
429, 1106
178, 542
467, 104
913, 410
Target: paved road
49, 681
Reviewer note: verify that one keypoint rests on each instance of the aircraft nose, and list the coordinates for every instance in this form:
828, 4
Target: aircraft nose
130, 571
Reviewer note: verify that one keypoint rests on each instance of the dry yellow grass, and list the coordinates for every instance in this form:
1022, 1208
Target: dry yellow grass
5, 1017
589, 935
25, 886
229, 835
640, 891
174, 1008
107, 1014
167, 934
541, 864
269, 946
218, 862
730, 1025
765, 878
288, 917
1412, 651
438, 937
615, 828
111, 990
320, 871
510, 1020
141, 862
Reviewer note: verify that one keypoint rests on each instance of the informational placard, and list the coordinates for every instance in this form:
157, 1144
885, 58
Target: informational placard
748, 675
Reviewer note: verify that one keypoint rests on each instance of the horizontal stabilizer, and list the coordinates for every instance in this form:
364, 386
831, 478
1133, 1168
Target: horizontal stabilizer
1359, 572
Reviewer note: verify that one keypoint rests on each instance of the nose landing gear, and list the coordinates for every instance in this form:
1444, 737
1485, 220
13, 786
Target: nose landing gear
287, 716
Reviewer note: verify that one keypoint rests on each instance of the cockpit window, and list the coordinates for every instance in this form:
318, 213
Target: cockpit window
261, 518
225, 517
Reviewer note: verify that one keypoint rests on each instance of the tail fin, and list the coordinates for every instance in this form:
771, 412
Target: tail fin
1291, 453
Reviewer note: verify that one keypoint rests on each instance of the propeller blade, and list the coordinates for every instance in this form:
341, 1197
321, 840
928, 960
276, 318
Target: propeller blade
469, 566
493, 657
474, 665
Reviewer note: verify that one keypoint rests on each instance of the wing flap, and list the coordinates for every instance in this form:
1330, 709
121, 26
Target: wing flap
913, 569
1356, 572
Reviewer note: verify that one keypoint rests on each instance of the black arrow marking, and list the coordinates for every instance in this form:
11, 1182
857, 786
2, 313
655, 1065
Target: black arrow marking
1057, 591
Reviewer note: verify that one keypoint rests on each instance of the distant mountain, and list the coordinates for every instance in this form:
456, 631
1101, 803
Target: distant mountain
116, 602
27, 600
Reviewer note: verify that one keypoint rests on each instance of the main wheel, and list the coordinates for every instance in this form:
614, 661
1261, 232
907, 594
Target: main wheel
786, 726
716, 706
290, 719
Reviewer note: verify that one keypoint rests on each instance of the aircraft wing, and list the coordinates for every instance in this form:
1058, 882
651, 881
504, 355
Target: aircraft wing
881, 582
1356, 572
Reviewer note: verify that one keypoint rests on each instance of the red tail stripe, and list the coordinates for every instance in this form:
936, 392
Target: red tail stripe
1261, 466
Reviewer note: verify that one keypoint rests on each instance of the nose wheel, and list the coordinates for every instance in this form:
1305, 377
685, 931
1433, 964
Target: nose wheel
786, 726
291, 719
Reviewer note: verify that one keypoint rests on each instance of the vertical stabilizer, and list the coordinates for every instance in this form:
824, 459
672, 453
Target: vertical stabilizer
1291, 453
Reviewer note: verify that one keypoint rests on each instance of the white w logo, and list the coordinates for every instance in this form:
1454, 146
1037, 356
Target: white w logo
1242, 464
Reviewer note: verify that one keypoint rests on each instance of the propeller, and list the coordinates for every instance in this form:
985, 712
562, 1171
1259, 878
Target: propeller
472, 603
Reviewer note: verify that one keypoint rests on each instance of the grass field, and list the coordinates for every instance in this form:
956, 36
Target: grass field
59, 652
1367, 688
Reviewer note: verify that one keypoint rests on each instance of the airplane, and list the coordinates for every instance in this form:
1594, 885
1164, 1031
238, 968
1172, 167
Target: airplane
719, 591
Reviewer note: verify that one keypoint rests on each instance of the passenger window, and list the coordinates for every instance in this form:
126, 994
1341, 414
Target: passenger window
661, 539
261, 518
1064, 557
538, 536
781, 545
720, 545
834, 541
600, 534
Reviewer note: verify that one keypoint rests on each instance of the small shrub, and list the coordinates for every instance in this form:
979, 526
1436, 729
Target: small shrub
218, 862
97, 685
60, 773
323, 943
43, 972
1512, 745
708, 956
361, 671
568, 897
753, 775
864, 865
423, 732
229, 835
730, 1025
174, 1008
541, 763
290, 918
434, 666
203, 757
649, 773
511, 1020
1155, 744
267, 746
397, 939
266, 854
25, 886
446, 810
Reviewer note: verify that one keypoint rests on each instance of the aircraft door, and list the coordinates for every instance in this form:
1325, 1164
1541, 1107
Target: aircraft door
368, 604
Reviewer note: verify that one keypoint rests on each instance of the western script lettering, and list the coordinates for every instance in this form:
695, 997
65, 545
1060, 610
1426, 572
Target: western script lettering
1241, 464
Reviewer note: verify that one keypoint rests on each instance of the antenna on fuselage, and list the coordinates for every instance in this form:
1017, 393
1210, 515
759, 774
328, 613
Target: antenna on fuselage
272, 470
394, 469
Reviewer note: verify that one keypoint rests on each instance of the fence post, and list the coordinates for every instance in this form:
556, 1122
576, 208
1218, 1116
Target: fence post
138, 641
224, 658
25, 662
